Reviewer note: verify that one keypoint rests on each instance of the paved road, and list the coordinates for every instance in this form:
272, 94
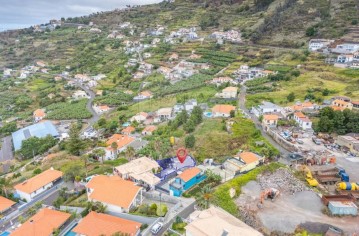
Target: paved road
242, 106
95, 117
6, 153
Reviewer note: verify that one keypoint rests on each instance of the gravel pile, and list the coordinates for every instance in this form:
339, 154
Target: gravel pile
282, 180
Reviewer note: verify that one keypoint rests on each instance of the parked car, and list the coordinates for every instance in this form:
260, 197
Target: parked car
156, 228
316, 141
299, 141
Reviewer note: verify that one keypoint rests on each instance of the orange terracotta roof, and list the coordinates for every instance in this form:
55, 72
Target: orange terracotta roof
113, 190
146, 93
44, 223
307, 104
297, 108
270, 117
38, 181
5, 203
128, 130
95, 224
121, 140
104, 107
39, 113
189, 174
248, 157
226, 109
299, 115
355, 102
149, 128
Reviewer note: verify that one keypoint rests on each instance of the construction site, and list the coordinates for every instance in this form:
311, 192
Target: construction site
317, 199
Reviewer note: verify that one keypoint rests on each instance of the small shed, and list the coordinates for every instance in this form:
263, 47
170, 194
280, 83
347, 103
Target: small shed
343, 208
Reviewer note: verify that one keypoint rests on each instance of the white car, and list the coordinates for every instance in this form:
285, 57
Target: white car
157, 227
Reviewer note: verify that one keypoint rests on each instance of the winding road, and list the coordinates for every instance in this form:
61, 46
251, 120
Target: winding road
95, 117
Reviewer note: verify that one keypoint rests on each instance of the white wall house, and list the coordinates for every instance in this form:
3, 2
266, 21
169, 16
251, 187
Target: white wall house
303, 121
38, 184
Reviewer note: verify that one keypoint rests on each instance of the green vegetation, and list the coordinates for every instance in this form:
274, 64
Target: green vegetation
8, 128
150, 210
221, 195
112, 99
340, 122
68, 110
34, 146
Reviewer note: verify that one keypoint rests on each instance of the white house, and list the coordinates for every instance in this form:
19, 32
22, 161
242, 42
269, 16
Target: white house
222, 110
121, 143
140, 170
189, 105
316, 44
228, 93
266, 108
79, 94
40, 183
163, 114
118, 195
139, 117
303, 121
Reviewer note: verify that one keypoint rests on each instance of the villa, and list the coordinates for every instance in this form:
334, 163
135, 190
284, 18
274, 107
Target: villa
187, 179
121, 143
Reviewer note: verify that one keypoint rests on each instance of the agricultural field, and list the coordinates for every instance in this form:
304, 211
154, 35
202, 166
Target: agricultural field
68, 110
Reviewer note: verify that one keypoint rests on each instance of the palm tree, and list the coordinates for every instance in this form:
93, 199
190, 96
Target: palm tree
114, 147
5, 183
130, 152
100, 153
85, 159
205, 196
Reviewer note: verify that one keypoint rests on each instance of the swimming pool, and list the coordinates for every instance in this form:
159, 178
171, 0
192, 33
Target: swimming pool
5, 233
126, 124
70, 233
208, 114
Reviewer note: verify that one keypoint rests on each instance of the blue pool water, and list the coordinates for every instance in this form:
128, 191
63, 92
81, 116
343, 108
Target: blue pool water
4, 234
126, 124
208, 114
70, 233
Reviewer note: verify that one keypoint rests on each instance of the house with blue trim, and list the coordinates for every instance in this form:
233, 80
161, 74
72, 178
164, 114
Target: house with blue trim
186, 180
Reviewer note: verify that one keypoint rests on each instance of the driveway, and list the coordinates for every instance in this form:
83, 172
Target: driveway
6, 153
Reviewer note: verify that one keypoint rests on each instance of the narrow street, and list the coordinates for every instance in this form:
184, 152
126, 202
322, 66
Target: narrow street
242, 106
95, 117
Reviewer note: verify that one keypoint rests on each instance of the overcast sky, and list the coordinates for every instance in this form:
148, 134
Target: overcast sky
24, 13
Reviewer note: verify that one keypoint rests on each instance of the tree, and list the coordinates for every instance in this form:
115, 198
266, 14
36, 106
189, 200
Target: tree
190, 141
291, 97
37, 171
34, 146
197, 115
232, 113
75, 145
189, 126
130, 152
114, 146
205, 196
5, 184
100, 153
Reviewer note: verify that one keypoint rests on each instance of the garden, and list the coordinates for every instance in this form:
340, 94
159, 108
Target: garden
153, 210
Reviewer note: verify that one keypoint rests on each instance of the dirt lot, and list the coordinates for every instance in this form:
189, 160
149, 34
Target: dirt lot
295, 205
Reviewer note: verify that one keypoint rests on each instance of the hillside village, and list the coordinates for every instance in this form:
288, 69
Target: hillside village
178, 128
